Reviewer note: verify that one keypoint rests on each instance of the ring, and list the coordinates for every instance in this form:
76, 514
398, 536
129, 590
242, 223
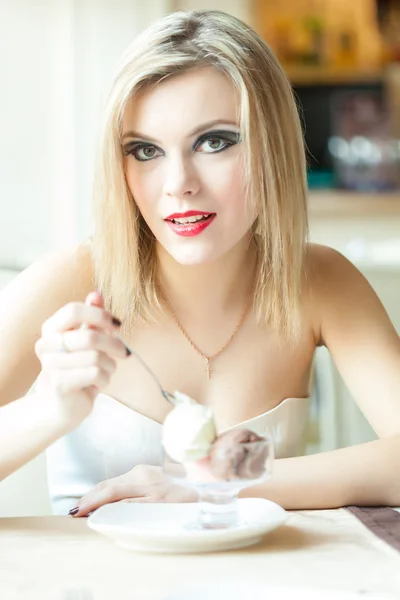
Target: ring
64, 347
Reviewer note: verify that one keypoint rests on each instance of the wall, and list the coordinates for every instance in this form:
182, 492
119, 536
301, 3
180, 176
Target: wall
56, 59
27, 124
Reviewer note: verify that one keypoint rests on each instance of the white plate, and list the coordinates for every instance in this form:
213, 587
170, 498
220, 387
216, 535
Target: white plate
161, 527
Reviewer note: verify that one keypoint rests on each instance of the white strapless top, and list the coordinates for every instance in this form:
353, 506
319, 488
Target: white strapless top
114, 438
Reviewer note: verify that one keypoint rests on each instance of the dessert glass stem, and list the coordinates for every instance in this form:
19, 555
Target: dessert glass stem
217, 509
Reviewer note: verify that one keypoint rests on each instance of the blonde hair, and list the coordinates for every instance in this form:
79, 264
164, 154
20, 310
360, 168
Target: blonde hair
274, 170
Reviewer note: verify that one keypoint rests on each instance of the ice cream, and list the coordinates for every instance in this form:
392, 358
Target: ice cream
190, 437
238, 454
189, 430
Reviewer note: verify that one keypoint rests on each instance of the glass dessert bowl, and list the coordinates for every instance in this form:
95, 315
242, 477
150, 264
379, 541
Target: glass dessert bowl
216, 467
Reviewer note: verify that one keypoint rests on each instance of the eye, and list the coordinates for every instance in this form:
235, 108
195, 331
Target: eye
213, 142
213, 145
142, 152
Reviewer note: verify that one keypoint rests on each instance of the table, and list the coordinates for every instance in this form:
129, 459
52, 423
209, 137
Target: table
60, 558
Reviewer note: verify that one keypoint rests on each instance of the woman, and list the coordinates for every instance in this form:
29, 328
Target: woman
200, 250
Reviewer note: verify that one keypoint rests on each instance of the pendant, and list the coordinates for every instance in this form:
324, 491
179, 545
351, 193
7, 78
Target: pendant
208, 368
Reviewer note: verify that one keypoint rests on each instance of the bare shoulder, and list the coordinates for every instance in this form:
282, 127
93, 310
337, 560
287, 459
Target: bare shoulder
353, 324
32, 297
339, 294
53, 279
324, 265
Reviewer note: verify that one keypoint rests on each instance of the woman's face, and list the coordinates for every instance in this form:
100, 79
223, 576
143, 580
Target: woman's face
183, 165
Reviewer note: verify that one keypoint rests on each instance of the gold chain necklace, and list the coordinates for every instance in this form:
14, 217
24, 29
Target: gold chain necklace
208, 359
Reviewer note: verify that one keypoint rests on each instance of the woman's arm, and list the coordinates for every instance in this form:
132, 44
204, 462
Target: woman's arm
366, 475
29, 424
27, 427
26, 303
351, 321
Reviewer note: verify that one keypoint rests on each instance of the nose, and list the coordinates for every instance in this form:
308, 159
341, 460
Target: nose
181, 179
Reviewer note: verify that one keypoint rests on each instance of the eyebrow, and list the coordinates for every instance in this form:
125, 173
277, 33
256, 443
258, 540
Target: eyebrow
197, 130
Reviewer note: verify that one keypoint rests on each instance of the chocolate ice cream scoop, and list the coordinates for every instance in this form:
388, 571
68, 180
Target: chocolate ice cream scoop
238, 454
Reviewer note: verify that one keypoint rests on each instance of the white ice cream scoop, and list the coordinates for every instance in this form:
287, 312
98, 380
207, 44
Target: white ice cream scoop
189, 430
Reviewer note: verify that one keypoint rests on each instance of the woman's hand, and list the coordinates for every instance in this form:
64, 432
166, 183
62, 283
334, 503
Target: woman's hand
77, 361
144, 483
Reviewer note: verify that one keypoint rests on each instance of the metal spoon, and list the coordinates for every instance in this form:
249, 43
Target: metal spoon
169, 397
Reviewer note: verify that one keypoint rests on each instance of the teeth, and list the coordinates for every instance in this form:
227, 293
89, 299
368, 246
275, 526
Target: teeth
194, 219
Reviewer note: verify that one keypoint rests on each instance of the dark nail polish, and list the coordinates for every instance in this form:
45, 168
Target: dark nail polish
128, 352
116, 322
73, 511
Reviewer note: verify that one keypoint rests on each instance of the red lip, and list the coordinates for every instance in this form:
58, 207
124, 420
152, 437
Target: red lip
189, 213
191, 229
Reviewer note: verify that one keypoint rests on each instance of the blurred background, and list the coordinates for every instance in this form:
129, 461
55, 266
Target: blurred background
57, 59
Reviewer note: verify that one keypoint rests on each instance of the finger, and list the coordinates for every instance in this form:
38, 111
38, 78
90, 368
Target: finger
146, 500
106, 492
65, 381
95, 299
91, 358
76, 314
78, 340
166, 494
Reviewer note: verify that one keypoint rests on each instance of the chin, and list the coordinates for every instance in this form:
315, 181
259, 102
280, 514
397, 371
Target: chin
193, 258
194, 254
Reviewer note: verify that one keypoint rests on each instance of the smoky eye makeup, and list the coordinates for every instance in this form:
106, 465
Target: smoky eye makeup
142, 151
225, 136
220, 138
